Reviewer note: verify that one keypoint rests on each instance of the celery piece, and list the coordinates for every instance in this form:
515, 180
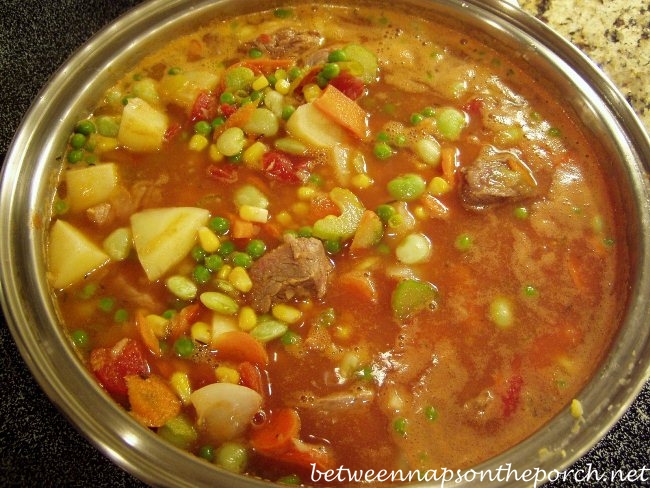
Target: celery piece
344, 226
179, 431
368, 61
412, 296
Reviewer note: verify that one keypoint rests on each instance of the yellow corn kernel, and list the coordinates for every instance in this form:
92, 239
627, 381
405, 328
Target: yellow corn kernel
576, 409
260, 83
254, 214
284, 218
311, 92
343, 332
252, 156
282, 86
286, 313
198, 142
226, 374
103, 143
361, 181
214, 154
181, 385
306, 192
300, 208
239, 278
159, 325
209, 240
281, 74
420, 213
439, 186
247, 319
224, 271
201, 332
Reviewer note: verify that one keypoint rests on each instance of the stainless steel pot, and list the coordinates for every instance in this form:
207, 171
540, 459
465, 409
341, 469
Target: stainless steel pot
27, 189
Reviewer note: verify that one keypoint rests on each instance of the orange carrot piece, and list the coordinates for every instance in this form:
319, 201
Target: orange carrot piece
322, 205
360, 284
239, 118
277, 435
369, 232
343, 110
146, 333
304, 454
251, 377
243, 229
237, 345
449, 164
152, 400
181, 322
434, 207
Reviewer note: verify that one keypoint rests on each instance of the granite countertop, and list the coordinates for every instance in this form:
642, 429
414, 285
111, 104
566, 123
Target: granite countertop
38, 446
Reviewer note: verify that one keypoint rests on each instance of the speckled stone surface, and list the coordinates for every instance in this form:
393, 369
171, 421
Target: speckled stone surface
38, 446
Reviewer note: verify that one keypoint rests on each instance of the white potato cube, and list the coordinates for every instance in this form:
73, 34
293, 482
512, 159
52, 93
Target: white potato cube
313, 127
143, 127
164, 236
72, 255
89, 186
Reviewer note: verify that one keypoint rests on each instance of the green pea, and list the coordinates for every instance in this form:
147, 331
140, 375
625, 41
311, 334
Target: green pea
217, 122
382, 150
530, 291
80, 338
287, 112
332, 246
242, 259
330, 70
202, 127
431, 413
463, 242
336, 56
305, 231
207, 452
226, 248
294, 73
60, 207
290, 338
184, 347
85, 127
220, 225
213, 262
400, 425
106, 304
385, 212
428, 111
416, 118
121, 315
227, 97
406, 187
255, 53
77, 141
256, 248
198, 254
174, 71
75, 156
521, 213
201, 274
282, 13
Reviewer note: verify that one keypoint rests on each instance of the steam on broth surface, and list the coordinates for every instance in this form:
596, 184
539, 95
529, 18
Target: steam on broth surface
326, 236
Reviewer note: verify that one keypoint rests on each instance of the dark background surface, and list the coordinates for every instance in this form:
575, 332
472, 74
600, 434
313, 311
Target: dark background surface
38, 446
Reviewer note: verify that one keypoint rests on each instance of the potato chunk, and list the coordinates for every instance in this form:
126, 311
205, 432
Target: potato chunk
182, 89
143, 127
313, 127
72, 255
86, 187
164, 236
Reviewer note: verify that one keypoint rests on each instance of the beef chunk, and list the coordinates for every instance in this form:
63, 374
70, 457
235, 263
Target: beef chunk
288, 43
496, 177
297, 268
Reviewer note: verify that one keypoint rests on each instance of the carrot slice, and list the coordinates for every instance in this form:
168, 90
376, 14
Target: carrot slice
449, 164
243, 229
251, 377
238, 118
305, 455
152, 400
237, 345
277, 435
344, 111
181, 322
360, 284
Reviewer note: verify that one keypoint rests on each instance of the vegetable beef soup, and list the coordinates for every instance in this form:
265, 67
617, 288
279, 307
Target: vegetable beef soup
324, 236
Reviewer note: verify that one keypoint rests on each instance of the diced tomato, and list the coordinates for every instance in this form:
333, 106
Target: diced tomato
512, 395
264, 38
224, 173
172, 131
112, 365
284, 167
473, 107
351, 86
251, 377
227, 109
205, 107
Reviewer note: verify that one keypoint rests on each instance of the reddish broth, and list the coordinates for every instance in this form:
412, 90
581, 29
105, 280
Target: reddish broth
528, 283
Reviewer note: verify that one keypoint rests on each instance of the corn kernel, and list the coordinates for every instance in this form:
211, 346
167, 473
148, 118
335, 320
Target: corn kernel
239, 278
226, 374
214, 154
420, 213
300, 208
198, 142
181, 385
260, 83
209, 240
224, 271
284, 218
159, 325
576, 409
306, 192
254, 214
343, 332
286, 313
103, 143
282, 86
201, 332
439, 186
252, 156
247, 319
361, 181
311, 92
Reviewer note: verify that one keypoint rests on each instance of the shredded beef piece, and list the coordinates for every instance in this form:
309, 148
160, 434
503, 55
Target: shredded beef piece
495, 177
298, 268
288, 43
